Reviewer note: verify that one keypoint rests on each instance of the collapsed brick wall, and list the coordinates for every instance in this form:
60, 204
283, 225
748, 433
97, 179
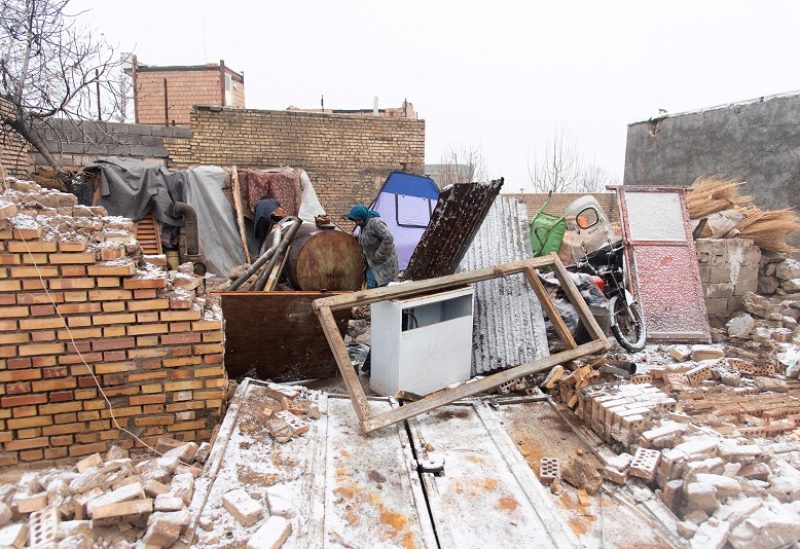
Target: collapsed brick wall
346, 157
153, 339
14, 150
728, 270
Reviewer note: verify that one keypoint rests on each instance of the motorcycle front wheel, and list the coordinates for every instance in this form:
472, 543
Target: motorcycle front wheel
628, 326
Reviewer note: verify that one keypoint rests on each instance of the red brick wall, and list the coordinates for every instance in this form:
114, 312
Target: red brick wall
184, 89
157, 355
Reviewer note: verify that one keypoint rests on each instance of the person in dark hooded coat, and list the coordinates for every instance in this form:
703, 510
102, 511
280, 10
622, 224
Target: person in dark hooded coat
377, 244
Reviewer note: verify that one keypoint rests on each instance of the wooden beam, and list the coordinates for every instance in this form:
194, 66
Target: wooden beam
473, 387
550, 308
349, 375
366, 297
237, 204
574, 296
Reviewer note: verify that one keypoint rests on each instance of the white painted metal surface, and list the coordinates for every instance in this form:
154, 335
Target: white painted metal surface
423, 344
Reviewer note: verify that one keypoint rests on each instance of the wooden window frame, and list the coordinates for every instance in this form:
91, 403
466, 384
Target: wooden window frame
370, 421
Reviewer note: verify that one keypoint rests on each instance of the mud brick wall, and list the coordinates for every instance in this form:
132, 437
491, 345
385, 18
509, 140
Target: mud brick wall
346, 157
151, 337
728, 270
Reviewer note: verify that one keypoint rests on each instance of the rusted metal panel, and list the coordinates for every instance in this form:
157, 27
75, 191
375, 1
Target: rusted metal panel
664, 272
278, 335
508, 325
458, 216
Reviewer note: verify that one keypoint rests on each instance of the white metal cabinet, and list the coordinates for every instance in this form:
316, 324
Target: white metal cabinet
421, 344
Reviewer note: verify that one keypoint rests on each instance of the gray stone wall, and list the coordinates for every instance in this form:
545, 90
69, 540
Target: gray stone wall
729, 268
78, 143
757, 142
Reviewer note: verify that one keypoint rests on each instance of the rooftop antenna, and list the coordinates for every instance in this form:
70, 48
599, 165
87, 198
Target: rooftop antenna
322, 102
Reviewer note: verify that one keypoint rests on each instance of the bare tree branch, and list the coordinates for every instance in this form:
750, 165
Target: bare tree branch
562, 168
461, 164
51, 67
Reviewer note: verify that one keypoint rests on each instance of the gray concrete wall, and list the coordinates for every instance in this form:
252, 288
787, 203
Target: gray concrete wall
78, 143
757, 142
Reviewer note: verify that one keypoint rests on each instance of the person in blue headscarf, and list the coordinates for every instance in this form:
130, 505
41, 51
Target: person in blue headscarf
377, 244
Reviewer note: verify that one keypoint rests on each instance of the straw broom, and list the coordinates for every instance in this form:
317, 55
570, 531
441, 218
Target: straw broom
714, 194
769, 229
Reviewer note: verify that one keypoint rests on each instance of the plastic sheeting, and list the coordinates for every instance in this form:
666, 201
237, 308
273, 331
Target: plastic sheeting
310, 206
218, 234
132, 188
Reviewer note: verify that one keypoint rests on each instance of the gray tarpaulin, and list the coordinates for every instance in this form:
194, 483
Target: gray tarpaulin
132, 188
217, 231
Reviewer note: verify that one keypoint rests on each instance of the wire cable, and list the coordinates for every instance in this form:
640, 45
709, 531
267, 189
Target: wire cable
80, 354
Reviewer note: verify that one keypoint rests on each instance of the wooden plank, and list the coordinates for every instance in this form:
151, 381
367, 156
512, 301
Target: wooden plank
550, 308
476, 386
366, 297
574, 296
371, 422
278, 334
237, 204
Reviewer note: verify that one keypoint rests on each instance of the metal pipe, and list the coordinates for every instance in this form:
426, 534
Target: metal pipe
189, 227
276, 240
285, 241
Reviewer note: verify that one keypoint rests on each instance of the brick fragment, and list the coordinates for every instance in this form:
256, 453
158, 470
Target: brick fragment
244, 508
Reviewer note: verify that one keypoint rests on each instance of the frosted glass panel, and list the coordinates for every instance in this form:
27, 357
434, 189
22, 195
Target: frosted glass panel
655, 216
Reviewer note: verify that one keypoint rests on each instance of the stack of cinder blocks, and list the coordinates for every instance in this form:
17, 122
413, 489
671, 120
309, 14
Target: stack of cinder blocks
78, 298
728, 270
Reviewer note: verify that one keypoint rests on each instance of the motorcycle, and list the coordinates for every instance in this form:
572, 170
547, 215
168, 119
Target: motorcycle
607, 266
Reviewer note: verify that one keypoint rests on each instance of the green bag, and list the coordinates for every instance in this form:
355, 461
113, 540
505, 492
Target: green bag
547, 231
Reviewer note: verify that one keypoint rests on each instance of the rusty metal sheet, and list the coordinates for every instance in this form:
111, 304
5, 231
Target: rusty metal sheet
665, 276
459, 213
278, 335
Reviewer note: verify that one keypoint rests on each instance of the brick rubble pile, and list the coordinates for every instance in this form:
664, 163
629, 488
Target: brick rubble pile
715, 438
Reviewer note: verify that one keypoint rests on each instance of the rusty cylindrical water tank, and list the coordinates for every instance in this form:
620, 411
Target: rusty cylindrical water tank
325, 259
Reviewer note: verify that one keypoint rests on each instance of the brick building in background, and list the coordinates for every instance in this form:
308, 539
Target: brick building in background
166, 95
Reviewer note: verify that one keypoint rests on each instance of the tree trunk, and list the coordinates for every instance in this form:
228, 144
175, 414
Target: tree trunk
31, 135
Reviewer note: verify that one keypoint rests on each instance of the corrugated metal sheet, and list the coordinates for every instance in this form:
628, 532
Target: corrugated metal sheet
508, 325
457, 217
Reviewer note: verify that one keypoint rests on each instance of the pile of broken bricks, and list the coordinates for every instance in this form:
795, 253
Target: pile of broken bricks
712, 439
286, 409
104, 501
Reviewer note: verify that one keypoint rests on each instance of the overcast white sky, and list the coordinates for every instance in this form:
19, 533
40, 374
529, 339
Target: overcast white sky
499, 74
